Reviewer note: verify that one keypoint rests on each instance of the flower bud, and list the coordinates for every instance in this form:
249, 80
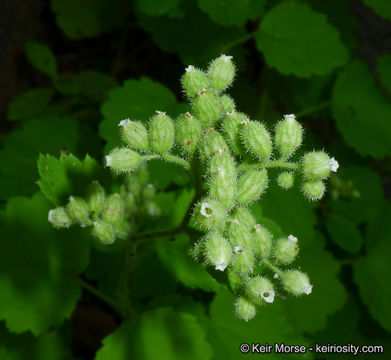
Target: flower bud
96, 198
130, 201
242, 261
197, 251
227, 103
212, 143
114, 209
123, 160
134, 134
104, 232
77, 209
296, 282
218, 252
221, 72
244, 217
161, 132
286, 249
222, 162
260, 290
251, 186
122, 229
152, 209
245, 309
313, 190
59, 218
194, 80
222, 187
188, 132
143, 174
149, 192
238, 236
286, 180
288, 135
231, 126
317, 165
207, 108
209, 214
256, 139
133, 185
235, 282
262, 241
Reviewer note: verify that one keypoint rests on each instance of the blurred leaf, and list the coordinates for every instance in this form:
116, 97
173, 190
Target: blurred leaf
176, 257
379, 227
297, 40
380, 7
42, 58
362, 112
60, 178
38, 267
163, 174
18, 157
384, 70
30, 104
232, 12
157, 7
175, 335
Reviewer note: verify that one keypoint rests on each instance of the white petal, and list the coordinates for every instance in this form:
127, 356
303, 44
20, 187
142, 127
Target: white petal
123, 122
308, 289
190, 68
226, 57
221, 266
205, 206
238, 249
333, 164
275, 276
290, 117
107, 160
50, 215
269, 298
292, 238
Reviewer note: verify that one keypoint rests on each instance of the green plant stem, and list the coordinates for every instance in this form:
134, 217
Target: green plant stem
238, 41
176, 160
281, 163
99, 294
313, 109
273, 268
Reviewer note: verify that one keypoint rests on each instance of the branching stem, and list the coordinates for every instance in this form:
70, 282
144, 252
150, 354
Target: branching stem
281, 163
273, 268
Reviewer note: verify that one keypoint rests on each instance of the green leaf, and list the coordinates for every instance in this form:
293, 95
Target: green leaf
380, 7
30, 104
38, 267
157, 7
42, 58
136, 99
175, 336
60, 178
175, 256
163, 174
297, 40
384, 70
21, 148
362, 112
232, 12
79, 19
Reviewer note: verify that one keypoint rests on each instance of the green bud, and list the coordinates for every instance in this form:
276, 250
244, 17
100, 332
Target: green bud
296, 282
143, 174
188, 132
227, 103
313, 190
231, 126
197, 251
194, 80
161, 132
130, 201
134, 134
242, 261
207, 108
212, 143
235, 282
256, 139
123, 160
209, 214
122, 229
218, 252
77, 209
286, 249
289, 135
262, 241
149, 192
317, 165
244, 308
222, 162
221, 72
223, 188
104, 232
152, 209
286, 180
59, 218
238, 235
133, 185
251, 186
245, 217
260, 290
96, 198
114, 209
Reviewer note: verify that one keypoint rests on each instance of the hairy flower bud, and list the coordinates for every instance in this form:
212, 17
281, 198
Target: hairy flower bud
227, 103
222, 162
296, 282
188, 132
286, 249
123, 160
134, 134
244, 308
288, 135
194, 80
221, 72
207, 108
114, 208
256, 139
152, 209
222, 187
104, 232
149, 191
130, 201
261, 241
161, 132
286, 180
231, 126
212, 143
251, 186
244, 217
209, 214
242, 261
313, 190
59, 218
317, 165
218, 252
96, 198
238, 235
260, 290
77, 209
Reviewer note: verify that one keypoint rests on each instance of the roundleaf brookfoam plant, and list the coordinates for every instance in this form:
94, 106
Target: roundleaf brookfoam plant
233, 153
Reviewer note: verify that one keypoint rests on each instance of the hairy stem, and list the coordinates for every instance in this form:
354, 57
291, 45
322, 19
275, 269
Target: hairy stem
176, 160
281, 163
273, 268
313, 109
237, 42
99, 294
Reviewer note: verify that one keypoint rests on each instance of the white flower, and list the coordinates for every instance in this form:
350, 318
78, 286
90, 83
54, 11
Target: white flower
190, 68
292, 238
268, 296
308, 289
206, 210
226, 57
221, 266
290, 117
123, 122
238, 249
333, 164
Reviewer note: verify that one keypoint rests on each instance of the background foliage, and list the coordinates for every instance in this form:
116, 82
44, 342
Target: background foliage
94, 62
